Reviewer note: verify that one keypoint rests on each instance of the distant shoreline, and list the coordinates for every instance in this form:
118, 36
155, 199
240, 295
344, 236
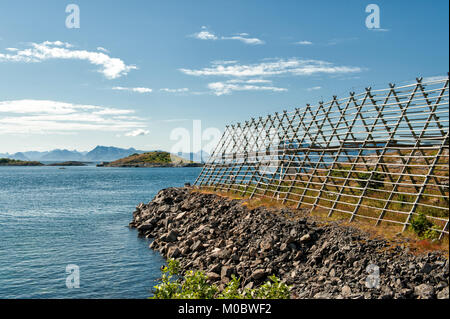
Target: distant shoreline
145, 160
11, 162
148, 165
151, 159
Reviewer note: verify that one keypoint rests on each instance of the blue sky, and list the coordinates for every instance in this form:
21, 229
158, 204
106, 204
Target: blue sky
136, 70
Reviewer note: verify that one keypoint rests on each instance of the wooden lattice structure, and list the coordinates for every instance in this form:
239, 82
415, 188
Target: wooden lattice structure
381, 155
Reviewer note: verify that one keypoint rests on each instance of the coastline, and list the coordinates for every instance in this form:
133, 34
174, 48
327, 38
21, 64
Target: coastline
222, 237
144, 165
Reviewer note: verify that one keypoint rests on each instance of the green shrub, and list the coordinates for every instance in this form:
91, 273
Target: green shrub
273, 289
432, 233
168, 288
195, 285
422, 226
232, 290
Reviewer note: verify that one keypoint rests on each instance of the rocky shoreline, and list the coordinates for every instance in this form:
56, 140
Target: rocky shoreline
319, 260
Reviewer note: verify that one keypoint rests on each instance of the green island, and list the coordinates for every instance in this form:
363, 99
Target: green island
12, 162
68, 163
151, 159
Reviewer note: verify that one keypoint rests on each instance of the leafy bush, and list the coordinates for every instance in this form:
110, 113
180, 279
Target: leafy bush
273, 289
195, 285
169, 288
423, 227
431, 233
232, 290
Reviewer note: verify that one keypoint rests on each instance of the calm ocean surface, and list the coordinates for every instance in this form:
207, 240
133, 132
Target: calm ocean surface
50, 218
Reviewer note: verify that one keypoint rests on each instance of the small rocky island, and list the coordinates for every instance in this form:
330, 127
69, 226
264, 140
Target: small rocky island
151, 159
318, 259
69, 163
13, 162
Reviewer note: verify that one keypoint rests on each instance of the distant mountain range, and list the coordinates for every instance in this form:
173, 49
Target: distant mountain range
98, 154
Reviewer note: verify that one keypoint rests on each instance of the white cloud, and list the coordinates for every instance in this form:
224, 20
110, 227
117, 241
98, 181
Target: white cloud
315, 88
205, 34
137, 90
244, 39
54, 117
182, 90
223, 88
138, 132
304, 42
102, 49
291, 66
249, 81
111, 68
218, 62
435, 78
253, 77
109, 111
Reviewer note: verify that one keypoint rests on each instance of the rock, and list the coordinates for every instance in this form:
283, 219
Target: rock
212, 276
216, 252
163, 209
320, 260
346, 291
443, 294
145, 227
332, 273
386, 293
322, 295
424, 291
215, 268
258, 274
173, 252
171, 236
180, 216
185, 251
426, 268
226, 272
290, 240
298, 255
197, 246
305, 238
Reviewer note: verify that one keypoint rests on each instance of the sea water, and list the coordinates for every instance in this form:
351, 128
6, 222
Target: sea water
51, 218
